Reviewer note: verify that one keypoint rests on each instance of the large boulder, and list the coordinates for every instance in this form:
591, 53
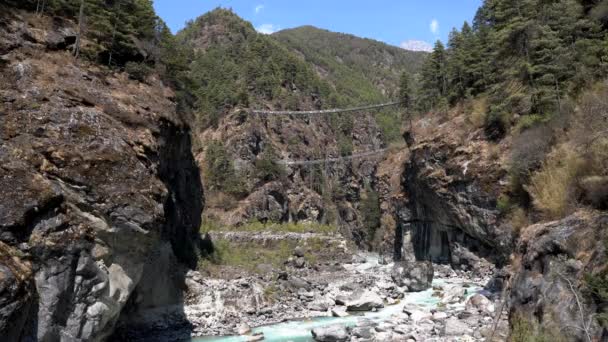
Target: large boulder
332, 333
416, 276
480, 303
364, 301
455, 327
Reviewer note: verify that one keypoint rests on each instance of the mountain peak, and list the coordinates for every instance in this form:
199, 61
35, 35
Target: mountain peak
416, 45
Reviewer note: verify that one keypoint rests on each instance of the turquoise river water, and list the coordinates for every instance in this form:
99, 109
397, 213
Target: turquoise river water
300, 330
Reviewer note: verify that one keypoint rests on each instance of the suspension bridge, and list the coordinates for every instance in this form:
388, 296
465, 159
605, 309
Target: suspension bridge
327, 111
330, 160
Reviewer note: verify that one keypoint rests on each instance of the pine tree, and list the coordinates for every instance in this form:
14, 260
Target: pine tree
405, 91
434, 79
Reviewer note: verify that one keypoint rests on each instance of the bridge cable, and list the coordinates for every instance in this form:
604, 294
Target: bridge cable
325, 111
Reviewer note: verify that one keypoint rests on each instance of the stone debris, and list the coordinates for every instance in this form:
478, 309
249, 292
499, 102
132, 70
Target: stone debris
457, 312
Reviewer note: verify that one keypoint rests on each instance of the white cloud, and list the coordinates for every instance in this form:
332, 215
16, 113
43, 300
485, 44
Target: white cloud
267, 28
259, 8
416, 45
434, 26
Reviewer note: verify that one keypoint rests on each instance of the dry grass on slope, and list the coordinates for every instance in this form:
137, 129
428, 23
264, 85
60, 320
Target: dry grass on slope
575, 173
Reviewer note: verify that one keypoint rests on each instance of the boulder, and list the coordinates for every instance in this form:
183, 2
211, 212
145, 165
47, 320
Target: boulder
331, 333
418, 315
339, 311
363, 332
455, 294
255, 337
439, 316
480, 303
416, 276
243, 329
320, 304
299, 262
365, 301
455, 327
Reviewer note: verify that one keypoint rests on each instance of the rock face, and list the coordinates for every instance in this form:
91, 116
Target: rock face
17, 293
451, 183
548, 281
322, 192
101, 194
415, 275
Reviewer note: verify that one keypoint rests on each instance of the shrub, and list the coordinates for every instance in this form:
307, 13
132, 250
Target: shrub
595, 191
524, 331
266, 166
530, 121
345, 145
390, 124
552, 187
529, 149
518, 219
496, 124
256, 226
138, 71
597, 286
478, 113
370, 211
220, 174
503, 203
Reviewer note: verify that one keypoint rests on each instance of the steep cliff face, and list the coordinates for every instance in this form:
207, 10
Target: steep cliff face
551, 291
451, 182
322, 192
99, 186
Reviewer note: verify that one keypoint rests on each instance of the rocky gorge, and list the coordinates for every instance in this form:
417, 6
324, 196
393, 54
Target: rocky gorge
111, 228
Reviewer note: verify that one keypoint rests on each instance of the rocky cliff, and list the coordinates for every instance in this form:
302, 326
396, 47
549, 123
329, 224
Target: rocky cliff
450, 181
552, 292
99, 188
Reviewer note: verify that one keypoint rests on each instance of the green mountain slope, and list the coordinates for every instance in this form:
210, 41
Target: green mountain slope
236, 66
361, 70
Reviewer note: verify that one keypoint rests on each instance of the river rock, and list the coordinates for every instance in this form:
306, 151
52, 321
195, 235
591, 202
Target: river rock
339, 311
243, 329
480, 303
418, 315
332, 333
362, 332
320, 304
455, 327
452, 295
255, 337
365, 301
416, 276
439, 316
299, 262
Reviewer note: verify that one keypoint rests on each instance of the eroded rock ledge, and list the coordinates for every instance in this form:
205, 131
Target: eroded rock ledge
451, 184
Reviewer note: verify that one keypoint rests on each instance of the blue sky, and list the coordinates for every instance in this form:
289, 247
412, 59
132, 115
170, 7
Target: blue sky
391, 21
